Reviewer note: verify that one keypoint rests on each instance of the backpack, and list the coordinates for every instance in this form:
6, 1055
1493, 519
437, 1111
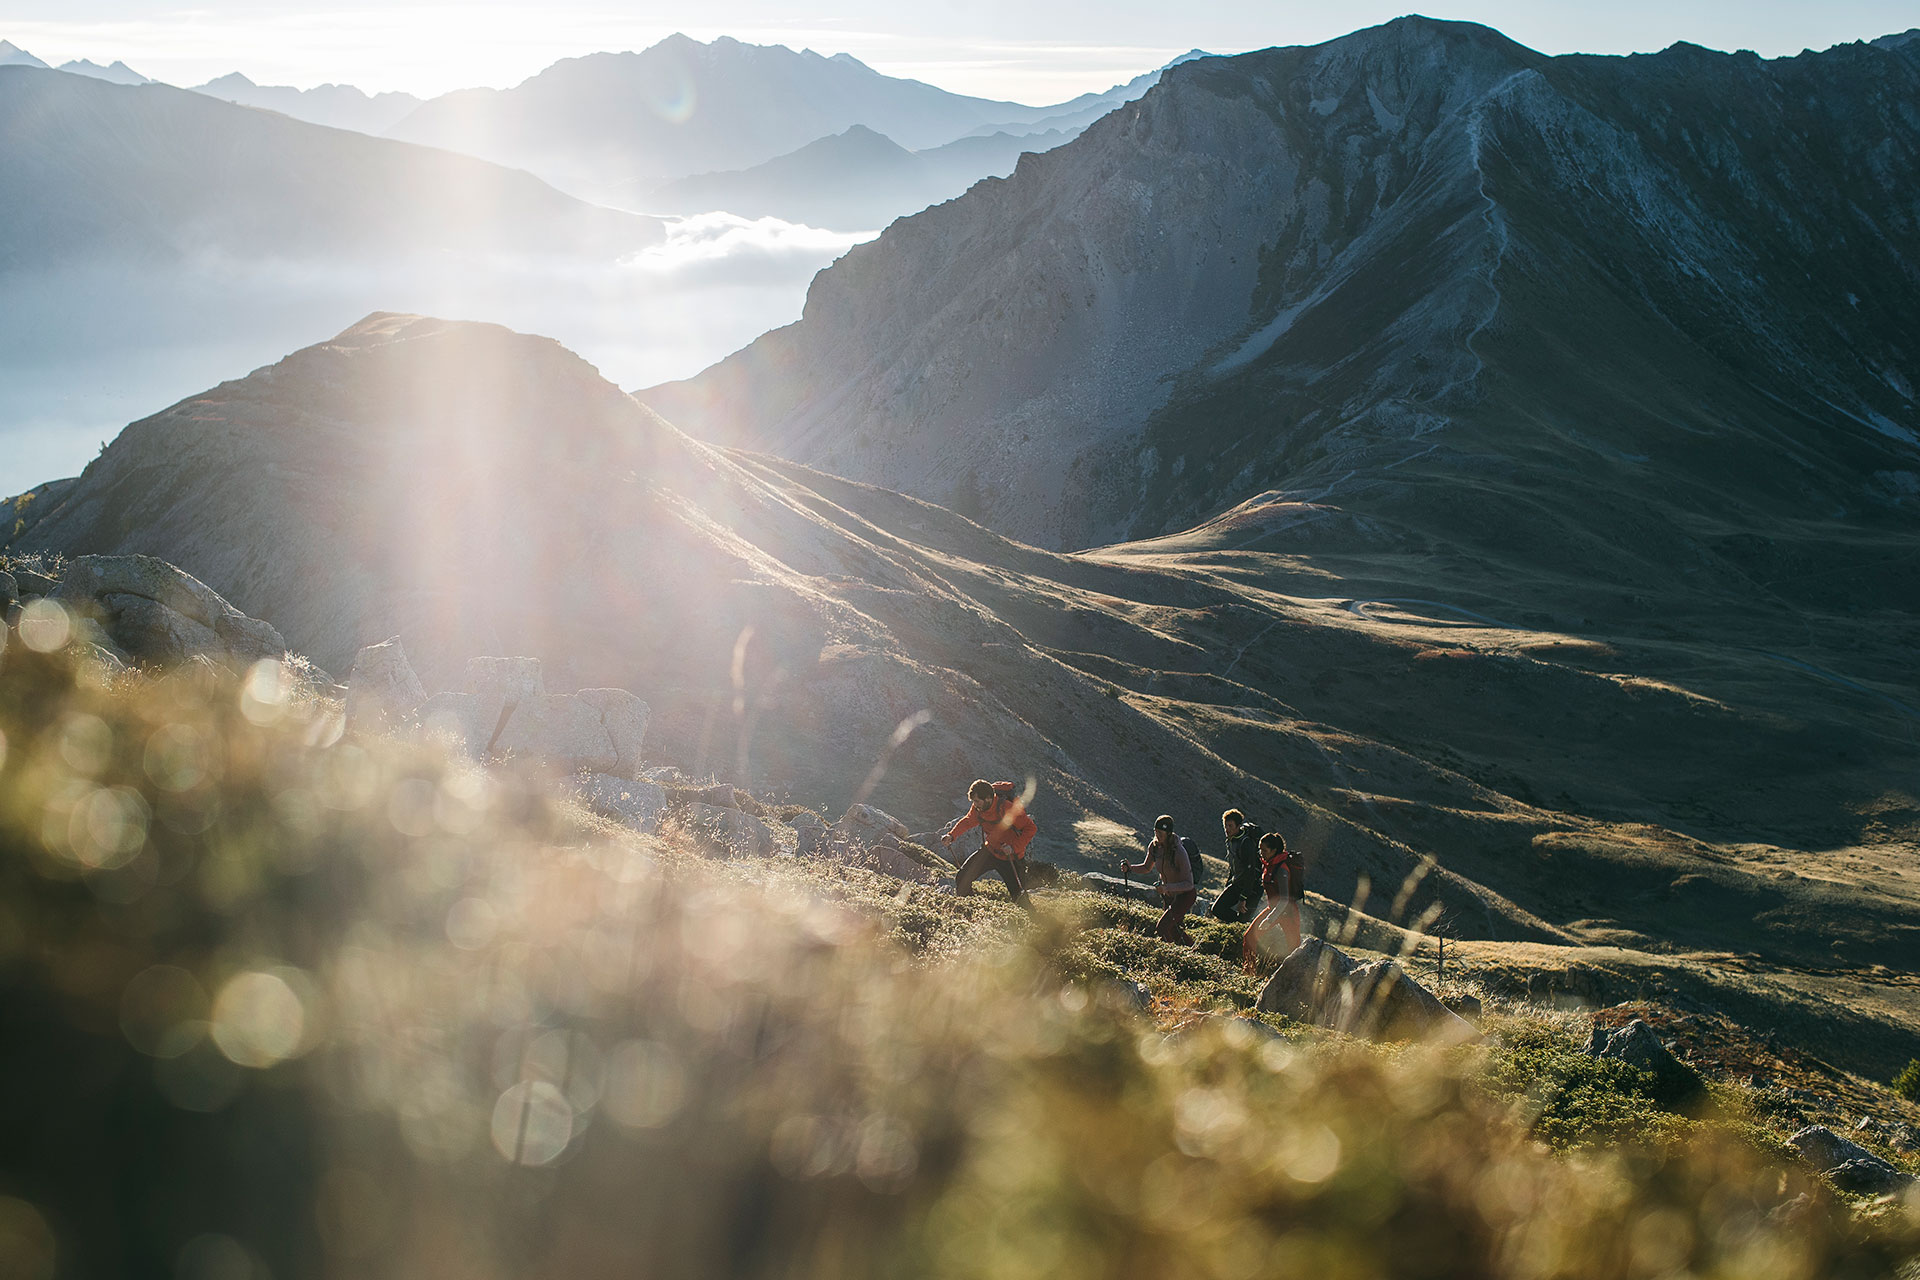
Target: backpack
1193, 860
1293, 865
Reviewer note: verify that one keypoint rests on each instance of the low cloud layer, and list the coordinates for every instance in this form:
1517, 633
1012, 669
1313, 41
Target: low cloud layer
84, 351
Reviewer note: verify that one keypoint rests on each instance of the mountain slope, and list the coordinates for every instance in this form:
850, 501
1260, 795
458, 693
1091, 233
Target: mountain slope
100, 172
477, 491
1421, 275
614, 126
339, 106
12, 55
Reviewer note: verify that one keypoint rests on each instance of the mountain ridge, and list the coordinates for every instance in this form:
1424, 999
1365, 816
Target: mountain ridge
614, 126
1329, 319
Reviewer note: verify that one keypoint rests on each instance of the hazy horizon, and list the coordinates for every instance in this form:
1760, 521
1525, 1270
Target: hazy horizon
1029, 54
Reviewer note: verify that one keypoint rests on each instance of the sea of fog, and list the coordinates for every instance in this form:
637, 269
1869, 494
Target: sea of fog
84, 351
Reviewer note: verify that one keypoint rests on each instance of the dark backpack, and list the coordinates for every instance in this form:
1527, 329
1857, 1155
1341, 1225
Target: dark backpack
1193, 859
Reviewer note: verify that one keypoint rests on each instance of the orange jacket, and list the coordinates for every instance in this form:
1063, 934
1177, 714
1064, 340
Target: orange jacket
1006, 825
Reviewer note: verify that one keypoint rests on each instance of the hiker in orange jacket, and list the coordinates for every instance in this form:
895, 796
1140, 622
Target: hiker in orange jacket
1005, 831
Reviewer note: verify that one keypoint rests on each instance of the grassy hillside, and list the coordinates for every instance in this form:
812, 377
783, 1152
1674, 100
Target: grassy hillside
355, 1007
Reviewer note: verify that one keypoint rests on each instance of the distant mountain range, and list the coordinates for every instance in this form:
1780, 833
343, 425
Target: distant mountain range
1418, 291
861, 179
100, 172
616, 126
856, 180
686, 127
12, 55
339, 105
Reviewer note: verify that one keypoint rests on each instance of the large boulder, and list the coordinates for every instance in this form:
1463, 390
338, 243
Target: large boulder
382, 689
157, 613
1320, 984
150, 631
863, 822
810, 833
623, 718
631, 803
891, 861
1675, 1083
1850, 1166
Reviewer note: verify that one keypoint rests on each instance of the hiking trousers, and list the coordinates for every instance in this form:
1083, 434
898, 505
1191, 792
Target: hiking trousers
1236, 901
981, 861
1170, 929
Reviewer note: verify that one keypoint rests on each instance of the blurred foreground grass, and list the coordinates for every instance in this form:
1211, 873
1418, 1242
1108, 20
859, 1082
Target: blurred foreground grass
279, 1004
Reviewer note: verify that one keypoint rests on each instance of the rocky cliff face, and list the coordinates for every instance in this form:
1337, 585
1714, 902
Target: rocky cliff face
1377, 272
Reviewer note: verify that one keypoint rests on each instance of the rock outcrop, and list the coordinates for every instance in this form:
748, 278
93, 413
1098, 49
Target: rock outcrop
727, 833
1850, 1166
1320, 984
382, 689
1675, 1083
871, 838
151, 612
631, 802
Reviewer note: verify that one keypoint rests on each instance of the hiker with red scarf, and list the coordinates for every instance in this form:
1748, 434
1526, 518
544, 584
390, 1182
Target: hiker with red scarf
1005, 831
1281, 880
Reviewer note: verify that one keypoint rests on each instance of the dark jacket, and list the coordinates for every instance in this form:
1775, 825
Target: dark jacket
1243, 855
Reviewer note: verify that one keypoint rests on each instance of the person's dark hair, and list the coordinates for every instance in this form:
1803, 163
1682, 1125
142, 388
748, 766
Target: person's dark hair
980, 790
1233, 815
1275, 841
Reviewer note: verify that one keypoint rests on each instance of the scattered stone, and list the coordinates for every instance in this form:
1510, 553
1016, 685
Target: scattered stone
382, 689
893, 862
631, 803
9, 589
1119, 887
810, 831
727, 833
1321, 985
1824, 1149
1637, 1045
1871, 1177
720, 796
1131, 996
1467, 1006
666, 775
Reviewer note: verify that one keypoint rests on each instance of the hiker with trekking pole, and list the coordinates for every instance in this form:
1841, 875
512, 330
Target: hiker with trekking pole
1172, 857
1005, 832
1284, 886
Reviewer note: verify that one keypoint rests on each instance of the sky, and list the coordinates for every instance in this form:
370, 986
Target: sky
1030, 51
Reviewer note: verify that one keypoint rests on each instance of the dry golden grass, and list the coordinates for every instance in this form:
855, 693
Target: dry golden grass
335, 1008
